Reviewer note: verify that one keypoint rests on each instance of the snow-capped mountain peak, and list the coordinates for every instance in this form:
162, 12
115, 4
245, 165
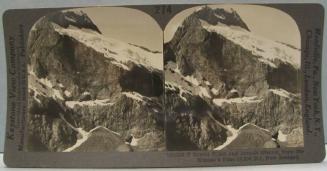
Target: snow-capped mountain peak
75, 18
79, 26
219, 15
119, 51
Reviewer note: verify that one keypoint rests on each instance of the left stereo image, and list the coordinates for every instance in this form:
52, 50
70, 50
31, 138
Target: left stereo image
95, 82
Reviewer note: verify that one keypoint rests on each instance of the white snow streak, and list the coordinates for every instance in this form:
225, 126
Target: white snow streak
234, 135
134, 141
61, 85
173, 86
102, 127
121, 65
67, 93
181, 92
170, 86
83, 137
233, 90
189, 78
220, 16
231, 138
214, 91
72, 104
134, 95
54, 92
281, 92
36, 93
253, 99
204, 92
207, 83
266, 130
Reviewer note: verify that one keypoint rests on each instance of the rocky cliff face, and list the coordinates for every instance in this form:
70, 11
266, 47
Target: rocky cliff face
216, 70
79, 80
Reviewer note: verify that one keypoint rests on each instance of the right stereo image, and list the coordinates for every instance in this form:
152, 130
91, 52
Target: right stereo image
232, 79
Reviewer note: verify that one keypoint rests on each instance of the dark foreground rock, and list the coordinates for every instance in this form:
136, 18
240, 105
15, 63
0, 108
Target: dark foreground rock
104, 140
251, 136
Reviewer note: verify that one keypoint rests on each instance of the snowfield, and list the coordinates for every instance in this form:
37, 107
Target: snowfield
267, 50
117, 50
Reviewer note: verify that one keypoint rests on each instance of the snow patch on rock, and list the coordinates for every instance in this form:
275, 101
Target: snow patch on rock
214, 91
67, 93
253, 99
56, 94
233, 90
36, 94
281, 92
190, 78
134, 95
240, 128
72, 104
231, 138
174, 87
235, 133
121, 65
281, 136
204, 92
84, 135
134, 141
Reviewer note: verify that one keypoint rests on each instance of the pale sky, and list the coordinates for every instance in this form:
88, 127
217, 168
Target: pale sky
264, 21
128, 25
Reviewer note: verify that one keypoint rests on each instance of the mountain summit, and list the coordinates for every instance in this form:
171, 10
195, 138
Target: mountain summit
219, 15
77, 19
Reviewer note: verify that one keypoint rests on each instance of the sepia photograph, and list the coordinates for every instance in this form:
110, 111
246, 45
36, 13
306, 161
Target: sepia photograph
232, 79
159, 85
95, 82
218, 77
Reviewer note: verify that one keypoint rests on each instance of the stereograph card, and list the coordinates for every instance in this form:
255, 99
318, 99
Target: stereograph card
164, 85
